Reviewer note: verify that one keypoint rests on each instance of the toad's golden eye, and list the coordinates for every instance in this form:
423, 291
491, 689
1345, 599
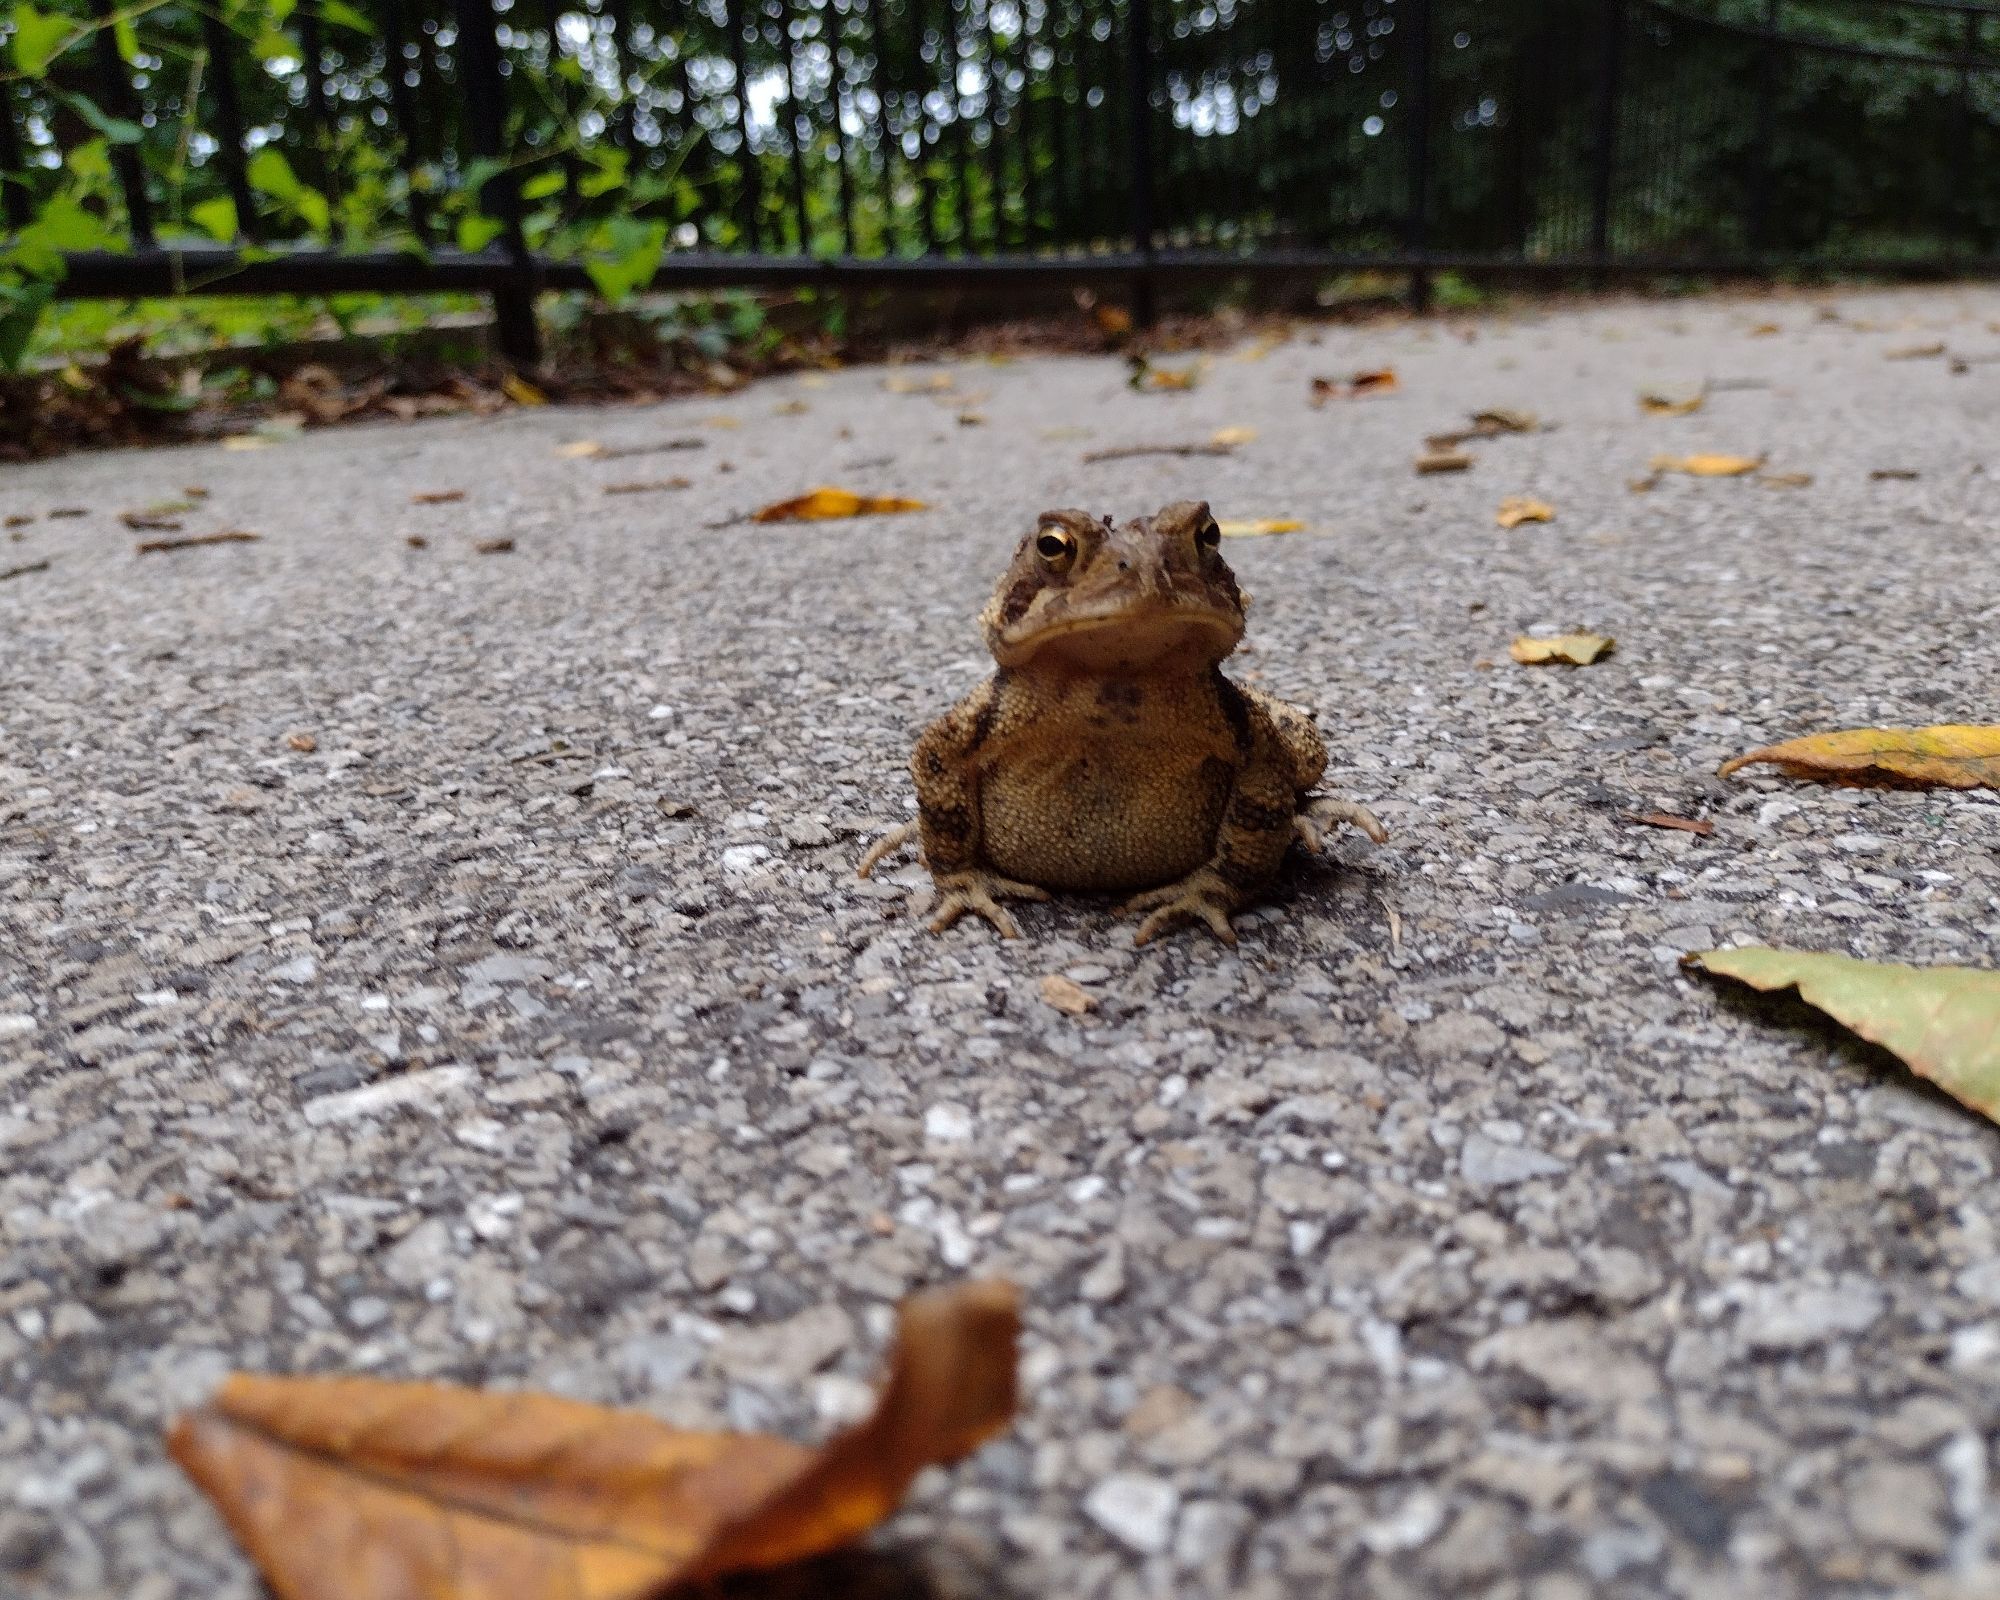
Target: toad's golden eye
1208, 536
1056, 546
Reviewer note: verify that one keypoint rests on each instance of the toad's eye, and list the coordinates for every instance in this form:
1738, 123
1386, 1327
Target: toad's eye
1056, 546
1208, 536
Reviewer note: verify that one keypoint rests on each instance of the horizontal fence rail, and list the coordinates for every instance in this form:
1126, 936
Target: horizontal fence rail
510, 146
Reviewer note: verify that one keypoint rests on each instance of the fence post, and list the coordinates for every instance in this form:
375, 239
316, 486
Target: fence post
115, 94
1759, 229
1139, 98
1604, 165
1416, 19
486, 127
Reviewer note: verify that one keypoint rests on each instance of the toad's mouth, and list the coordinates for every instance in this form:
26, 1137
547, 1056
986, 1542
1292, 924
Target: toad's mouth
1125, 637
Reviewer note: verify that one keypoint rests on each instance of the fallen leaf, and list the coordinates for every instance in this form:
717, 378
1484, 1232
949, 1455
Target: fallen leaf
157, 520
493, 547
1764, 330
1230, 438
10, 573
1915, 352
417, 541
1941, 1022
1502, 419
357, 1488
437, 497
17, 519
304, 743
1896, 474
1645, 485
1665, 819
581, 450
930, 383
823, 504
1568, 649
1123, 452
1950, 756
1114, 322
69, 511
523, 393
1433, 461
1708, 466
1066, 996
1382, 380
1146, 376
233, 536
971, 419
195, 491
1785, 480
246, 441
1255, 527
721, 419
1517, 509
648, 485
1666, 405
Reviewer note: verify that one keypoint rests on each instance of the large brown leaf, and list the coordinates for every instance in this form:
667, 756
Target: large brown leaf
1951, 756
361, 1489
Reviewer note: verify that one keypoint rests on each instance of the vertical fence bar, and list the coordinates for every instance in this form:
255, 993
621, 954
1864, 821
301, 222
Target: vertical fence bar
950, 58
114, 89
988, 55
486, 129
1961, 154
625, 114
1758, 228
1139, 115
750, 187
320, 114
1417, 218
885, 136
15, 208
1604, 153
396, 43
215, 39
795, 111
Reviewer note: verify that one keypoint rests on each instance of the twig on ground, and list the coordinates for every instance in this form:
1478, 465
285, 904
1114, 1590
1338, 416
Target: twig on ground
233, 536
1124, 451
22, 572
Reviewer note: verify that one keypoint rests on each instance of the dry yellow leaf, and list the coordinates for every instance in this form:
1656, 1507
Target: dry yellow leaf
812, 380
523, 393
1764, 330
1434, 461
1146, 376
1915, 352
1518, 508
1066, 996
722, 419
360, 1489
910, 383
1708, 466
1255, 527
1666, 405
1785, 480
824, 504
1568, 649
1942, 1022
1950, 756
582, 450
790, 408
1232, 436
246, 441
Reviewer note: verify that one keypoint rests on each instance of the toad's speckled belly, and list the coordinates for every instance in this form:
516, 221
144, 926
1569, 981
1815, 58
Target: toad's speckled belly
1116, 815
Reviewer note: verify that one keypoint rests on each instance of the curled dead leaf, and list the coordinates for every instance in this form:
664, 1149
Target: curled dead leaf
1066, 996
1229, 438
1655, 404
1947, 756
494, 547
1257, 527
913, 383
231, 536
1915, 352
1941, 1022
581, 450
1708, 466
1785, 480
825, 503
1381, 380
1435, 461
1517, 509
437, 497
331, 1484
1567, 649
304, 743
523, 393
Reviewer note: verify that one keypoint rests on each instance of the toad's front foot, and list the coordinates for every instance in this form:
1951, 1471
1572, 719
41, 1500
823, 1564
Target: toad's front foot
1322, 813
1201, 896
980, 892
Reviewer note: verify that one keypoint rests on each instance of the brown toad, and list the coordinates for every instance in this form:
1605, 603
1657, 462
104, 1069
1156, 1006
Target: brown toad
1109, 751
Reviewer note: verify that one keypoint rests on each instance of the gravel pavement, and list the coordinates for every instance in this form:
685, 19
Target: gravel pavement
428, 961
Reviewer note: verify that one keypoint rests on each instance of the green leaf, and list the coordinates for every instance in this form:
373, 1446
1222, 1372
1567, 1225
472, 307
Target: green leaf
126, 32
39, 38
274, 45
641, 248
1943, 1022
21, 308
542, 185
270, 173
63, 224
611, 168
216, 218
475, 233
116, 129
90, 161
280, 11
342, 15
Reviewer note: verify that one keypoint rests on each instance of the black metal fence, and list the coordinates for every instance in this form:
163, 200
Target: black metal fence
507, 146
